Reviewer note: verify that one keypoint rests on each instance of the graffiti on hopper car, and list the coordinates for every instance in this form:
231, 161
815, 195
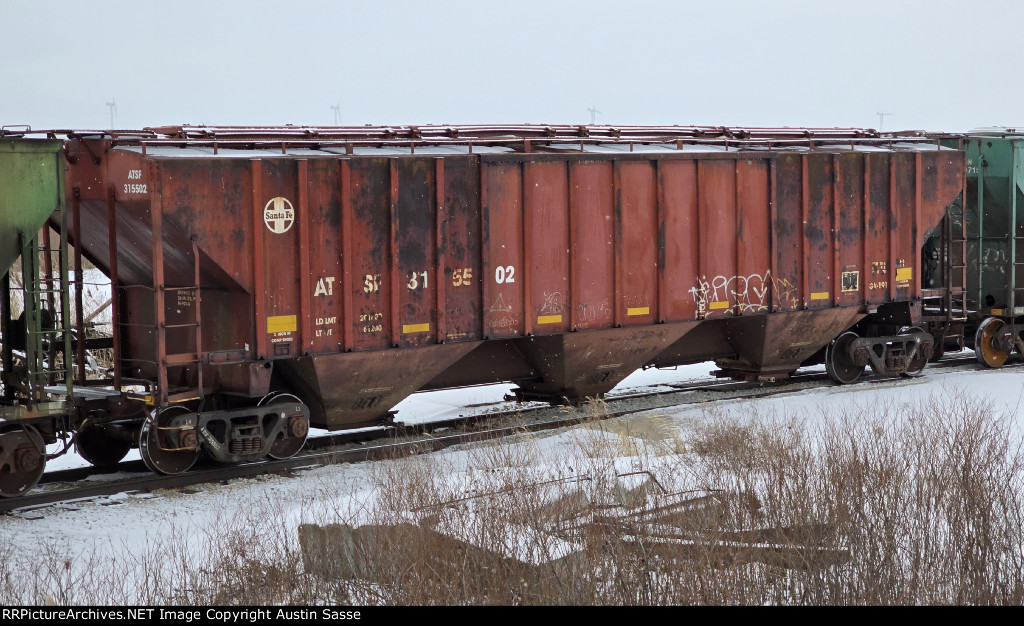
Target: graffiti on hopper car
748, 294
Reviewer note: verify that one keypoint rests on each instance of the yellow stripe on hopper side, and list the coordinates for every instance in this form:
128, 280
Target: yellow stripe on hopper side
416, 328
282, 324
904, 273
640, 310
819, 295
549, 319
714, 306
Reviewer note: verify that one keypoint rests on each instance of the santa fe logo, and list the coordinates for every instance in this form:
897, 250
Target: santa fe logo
279, 215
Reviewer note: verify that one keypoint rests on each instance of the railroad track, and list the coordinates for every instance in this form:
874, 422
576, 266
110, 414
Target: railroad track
68, 487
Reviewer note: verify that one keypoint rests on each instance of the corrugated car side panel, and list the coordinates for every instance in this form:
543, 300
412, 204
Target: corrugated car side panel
134, 243
205, 200
209, 199
546, 246
460, 250
905, 252
134, 249
279, 239
789, 253
679, 243
848, 285
637, 255
877, 227
502, 219
414, 251
942, 178
716, 181
369, 199
935, 183
592, 221
324, 287
753, 235
818, 244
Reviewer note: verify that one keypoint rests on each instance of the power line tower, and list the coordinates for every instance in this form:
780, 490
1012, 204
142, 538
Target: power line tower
113, 111
593, 114
337, 114
881, 119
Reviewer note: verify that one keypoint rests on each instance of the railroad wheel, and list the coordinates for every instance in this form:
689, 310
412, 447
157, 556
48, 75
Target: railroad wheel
838, 364
293, 435
22, 459
918, 363
168, 441
988, 343
98, 448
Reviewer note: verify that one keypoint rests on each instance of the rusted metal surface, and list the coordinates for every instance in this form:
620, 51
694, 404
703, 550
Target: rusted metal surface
359, 388
573, 366
22, 458
352, 267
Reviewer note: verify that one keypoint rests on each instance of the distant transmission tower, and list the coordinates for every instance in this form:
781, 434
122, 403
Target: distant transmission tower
113, 111
881, 119
593, 114
337, 114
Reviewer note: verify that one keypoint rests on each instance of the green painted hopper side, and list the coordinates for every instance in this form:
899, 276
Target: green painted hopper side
994, 215
31, 188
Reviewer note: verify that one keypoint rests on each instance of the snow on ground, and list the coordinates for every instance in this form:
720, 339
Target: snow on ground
128, 523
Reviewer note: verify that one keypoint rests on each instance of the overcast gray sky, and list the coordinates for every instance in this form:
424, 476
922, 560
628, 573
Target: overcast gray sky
935, 64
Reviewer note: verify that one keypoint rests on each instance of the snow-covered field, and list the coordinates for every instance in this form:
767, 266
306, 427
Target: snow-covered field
127, 524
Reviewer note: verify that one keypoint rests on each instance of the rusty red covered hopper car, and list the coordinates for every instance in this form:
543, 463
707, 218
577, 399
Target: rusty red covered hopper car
269, 279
